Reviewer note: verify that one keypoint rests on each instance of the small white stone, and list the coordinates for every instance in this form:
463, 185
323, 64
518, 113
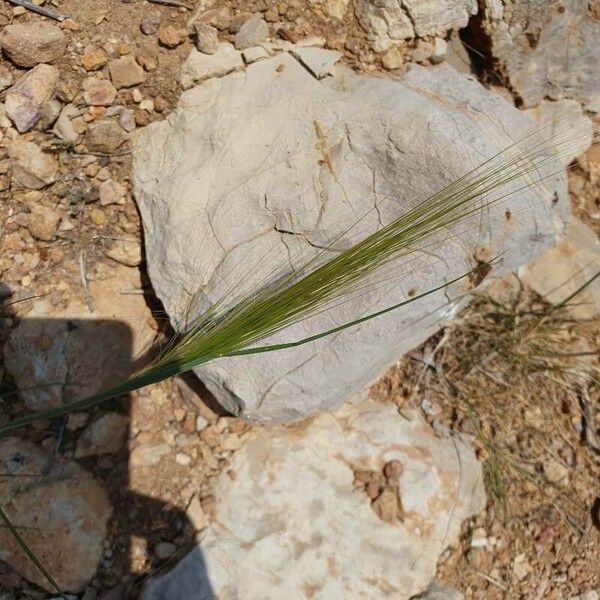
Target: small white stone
182, 459
136, 96
201, 423
440, 47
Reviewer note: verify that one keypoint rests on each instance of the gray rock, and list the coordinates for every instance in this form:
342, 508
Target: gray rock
252, 33
25, 99
28, 44
164, 550
61, 509
199, 66
388, 22
151, 22
105, 136
252, 149
329, 538
31, 167
318, 61
206, 38
529, 43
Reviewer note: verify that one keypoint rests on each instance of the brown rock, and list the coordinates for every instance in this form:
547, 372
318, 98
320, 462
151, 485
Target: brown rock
28, 44
111, 192
62, 512
125, 72
104, 136
25, 99
170, 36
94, 59
31, 168
126, 251
43, 222
99, 92
387, 506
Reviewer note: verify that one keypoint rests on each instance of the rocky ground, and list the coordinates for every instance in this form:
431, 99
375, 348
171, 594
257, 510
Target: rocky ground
138, 475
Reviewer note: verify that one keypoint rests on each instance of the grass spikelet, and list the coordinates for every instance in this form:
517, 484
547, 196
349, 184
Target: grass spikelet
236, 326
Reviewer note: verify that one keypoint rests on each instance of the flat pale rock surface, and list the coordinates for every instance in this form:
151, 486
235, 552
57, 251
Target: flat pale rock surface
260, 165
290, 520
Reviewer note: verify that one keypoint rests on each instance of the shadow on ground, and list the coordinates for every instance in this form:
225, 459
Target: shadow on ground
46, 361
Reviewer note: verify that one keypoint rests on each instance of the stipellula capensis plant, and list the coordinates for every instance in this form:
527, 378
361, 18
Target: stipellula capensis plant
242, 324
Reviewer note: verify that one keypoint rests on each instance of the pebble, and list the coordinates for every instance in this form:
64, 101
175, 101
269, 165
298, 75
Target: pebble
196, 515
150, 23
164, 550
25, 99
6, 78
104, 136
136, 95
126, 72
201, 423
555, 471
147, 105
77, 420
171, 37
182, 459
99, 92
32, 43
440, 48
31, 168
127, 119
49, 114
206, 38
252, 33
43, 222
98, 217
422, 51
126, 251
94, 59
111, 192
392, 59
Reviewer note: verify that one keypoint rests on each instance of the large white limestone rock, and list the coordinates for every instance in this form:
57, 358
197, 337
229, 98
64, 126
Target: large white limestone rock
291, 521
261, 164
546, 49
